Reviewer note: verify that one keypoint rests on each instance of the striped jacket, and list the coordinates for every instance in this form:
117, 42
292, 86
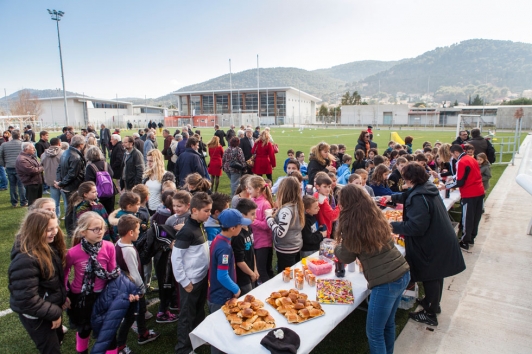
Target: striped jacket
9, 152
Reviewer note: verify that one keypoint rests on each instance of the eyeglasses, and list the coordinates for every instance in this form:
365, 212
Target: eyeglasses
366, 136
96, 230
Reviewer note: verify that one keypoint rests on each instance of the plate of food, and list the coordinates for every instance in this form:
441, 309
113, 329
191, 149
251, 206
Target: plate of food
295, 306
334, 291
248, 316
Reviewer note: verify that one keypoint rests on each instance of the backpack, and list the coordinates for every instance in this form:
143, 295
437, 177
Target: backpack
490, 152
104, 182
158, 238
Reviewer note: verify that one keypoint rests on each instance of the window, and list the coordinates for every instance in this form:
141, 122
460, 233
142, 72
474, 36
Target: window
195, 104
108, 105
238, 103
251, 102
208, 104
281, 104
267, 108
222, 104
184, 105
150, 110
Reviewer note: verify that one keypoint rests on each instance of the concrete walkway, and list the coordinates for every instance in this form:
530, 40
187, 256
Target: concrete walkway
488, 307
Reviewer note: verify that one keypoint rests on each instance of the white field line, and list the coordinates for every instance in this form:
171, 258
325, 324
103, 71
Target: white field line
5, 312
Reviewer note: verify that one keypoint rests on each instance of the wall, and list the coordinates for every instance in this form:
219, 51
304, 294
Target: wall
506, 119
296, 113
53, 113
374, 114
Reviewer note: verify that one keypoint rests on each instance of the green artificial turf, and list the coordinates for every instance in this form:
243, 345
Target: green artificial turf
348, 336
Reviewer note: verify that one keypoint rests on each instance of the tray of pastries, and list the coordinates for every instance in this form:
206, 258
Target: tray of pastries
248, 316
295, 306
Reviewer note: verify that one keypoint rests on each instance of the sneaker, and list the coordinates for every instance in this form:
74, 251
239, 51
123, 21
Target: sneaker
166, 317
424, 317
150, 336
65, 329
125, 350
174, 307
148, 315
464, 245
135, 327
425, 305
151, 289
46, 192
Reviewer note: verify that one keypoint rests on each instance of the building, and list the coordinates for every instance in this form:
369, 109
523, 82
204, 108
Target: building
83, 111
277, 106
384, 114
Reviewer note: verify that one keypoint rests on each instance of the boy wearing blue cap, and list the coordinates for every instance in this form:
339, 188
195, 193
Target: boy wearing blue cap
222, 271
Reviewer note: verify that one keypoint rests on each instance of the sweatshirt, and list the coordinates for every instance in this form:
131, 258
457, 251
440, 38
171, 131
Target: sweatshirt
261, 231
468, 177
212, 228
326, 216
190, 255
128, 259
311, 236
286, 230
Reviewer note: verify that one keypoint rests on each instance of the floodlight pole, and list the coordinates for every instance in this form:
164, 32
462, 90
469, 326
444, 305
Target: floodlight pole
56, 16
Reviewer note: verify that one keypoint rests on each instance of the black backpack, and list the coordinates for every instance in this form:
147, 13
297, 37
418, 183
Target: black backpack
158, 237
490, 152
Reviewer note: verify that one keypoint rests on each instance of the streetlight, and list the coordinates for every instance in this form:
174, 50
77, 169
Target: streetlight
56, 16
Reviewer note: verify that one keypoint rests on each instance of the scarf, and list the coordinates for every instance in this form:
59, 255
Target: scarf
368, 146
94, 269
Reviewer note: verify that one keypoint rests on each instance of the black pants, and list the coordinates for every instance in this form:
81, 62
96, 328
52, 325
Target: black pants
47, 340
268, 176
132, 315
286, 260
33, 192
471, 214
170, 166
104, 149
166, 280
264, 258
108, 204
191, 315
433, 292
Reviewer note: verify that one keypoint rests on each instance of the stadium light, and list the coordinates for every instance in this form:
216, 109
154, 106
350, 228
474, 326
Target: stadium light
56, 16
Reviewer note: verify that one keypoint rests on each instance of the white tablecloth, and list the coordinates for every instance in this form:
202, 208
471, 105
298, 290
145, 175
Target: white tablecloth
453, 198
215, 329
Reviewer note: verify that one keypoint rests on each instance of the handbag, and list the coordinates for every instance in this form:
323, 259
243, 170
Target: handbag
275, 148
251, 161
237, 166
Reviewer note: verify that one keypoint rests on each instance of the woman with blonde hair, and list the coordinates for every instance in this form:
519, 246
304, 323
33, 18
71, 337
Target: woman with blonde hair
153, 177
319, 161
36, 279
216, 152
264, 155
385, 269
91, 141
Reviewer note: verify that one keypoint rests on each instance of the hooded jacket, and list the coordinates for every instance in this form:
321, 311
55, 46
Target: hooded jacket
314, 167
432, 249
190, 161
109, 311
29, 169
50, 161
31, 294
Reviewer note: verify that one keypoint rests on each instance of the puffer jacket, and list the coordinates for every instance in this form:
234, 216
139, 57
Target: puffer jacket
109, 310
71, 170
29, 169
31, 294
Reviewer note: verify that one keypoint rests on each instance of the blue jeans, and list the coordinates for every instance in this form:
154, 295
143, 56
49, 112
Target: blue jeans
56, 196
235, 178
14, 182
3, 178
380, 323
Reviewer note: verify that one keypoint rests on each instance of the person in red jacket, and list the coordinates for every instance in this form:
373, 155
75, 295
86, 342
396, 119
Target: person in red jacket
264, 155
327, 215
469, 180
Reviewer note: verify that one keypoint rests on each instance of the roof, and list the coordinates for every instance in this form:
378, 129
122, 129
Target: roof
262, 89
145, 106
82, 99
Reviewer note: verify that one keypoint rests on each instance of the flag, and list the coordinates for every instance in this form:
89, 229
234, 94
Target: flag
395, 137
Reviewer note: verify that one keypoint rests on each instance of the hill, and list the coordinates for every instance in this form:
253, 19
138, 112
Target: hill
357, 70
472, 62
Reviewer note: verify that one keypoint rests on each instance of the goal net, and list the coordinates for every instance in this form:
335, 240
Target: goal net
468, 122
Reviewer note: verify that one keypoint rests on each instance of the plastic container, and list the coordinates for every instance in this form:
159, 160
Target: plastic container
327, 248
319, 269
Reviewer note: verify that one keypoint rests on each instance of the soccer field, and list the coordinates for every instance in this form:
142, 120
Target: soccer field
15, 340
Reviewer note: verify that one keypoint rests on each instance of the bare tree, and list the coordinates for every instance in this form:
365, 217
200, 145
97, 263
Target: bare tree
26, 102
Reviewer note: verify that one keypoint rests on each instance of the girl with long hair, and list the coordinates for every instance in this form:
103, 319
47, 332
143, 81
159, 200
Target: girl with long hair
94, 263
233, 155
379, 181
86, 199
241, 191
264, 155
319, 161
385, 269
261, 194
194, 183
359, 162
287, 222
152, 178
216, 152
36, 280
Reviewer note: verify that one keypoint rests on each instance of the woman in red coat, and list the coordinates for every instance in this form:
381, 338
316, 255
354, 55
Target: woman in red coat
216, 151
264, 155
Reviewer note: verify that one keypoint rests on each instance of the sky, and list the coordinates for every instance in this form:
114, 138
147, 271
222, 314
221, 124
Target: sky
151, 48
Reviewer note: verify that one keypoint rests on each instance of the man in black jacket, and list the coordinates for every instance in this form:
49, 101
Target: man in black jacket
117, 157
71, 170
220, 134
461, 138
105, 138
231, 133
190, 161
133, 165
246, 143
42, 145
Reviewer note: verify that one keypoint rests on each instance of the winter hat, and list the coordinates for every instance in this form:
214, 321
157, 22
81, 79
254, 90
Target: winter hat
281, 341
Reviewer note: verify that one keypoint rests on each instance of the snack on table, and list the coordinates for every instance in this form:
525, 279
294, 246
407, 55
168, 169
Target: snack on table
296, 311
393, 215
247, 317
327, 248
319, 266
334, 291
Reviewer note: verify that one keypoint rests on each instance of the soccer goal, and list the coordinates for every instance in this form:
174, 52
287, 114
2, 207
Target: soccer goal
468, 122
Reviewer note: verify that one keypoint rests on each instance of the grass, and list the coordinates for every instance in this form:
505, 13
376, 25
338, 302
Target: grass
348, 336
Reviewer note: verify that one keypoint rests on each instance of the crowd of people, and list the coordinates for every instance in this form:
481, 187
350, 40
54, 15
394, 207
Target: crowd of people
206, 247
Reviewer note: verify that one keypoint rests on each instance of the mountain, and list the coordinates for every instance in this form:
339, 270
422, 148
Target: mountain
502, 64
357, 70
41, 94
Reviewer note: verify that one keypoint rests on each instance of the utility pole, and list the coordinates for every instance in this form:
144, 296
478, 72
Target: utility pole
56, 16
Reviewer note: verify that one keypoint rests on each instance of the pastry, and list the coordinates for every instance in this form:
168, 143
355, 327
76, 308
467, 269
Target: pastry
234, 319
275, 295
249, 298
259, 325
304, 313
253, 319
278, 302
299, 306
255, 305
302, 296
269, 319
292, 318
269, 325
246, 313
292, 297
290, 310
284, 293
286, 301
282, 310
225, 310
240, 331
271, 301
231, 303
234, 309
315, 313
246, 325
244, 305
262, 312
315, 304
294, 291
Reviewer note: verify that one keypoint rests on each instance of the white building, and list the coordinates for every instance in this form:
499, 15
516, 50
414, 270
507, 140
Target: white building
384, 114
277, 106
83, 111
